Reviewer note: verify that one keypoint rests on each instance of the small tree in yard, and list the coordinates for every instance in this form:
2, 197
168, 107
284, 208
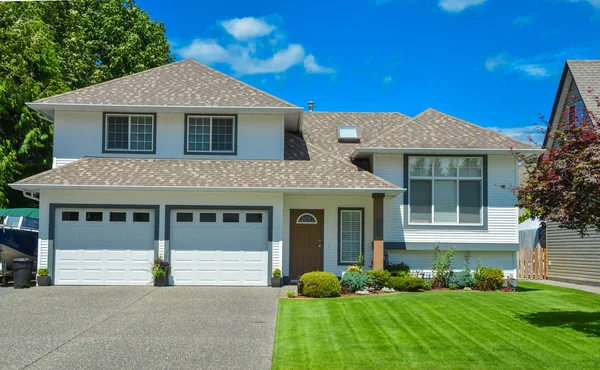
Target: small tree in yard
563, 185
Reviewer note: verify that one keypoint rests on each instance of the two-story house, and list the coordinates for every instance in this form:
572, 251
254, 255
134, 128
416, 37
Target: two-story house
228, 183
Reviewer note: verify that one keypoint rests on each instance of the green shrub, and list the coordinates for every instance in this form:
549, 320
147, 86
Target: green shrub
160, 268
43, 272
319, 284
291, 294
354, 281
379, 278
442, 266
276, 273
463, 279
354, 268
406, 284
401, 269
452, 286
427, 285
488, 278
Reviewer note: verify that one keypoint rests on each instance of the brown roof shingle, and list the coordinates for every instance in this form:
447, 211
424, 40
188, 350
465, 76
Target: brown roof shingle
184, 83
433, 129
306, 166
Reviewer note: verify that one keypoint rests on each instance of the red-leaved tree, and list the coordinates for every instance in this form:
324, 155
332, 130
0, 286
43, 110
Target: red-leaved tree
563, 184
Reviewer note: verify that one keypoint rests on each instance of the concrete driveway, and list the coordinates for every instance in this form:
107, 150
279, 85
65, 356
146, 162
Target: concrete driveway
137, 327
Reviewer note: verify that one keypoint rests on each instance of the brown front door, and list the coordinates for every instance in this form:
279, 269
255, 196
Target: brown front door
306, 234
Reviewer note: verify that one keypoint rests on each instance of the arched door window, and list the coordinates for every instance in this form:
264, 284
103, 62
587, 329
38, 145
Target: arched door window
307, 219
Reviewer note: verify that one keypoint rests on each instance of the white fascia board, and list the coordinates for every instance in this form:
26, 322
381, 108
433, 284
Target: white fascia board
46, 107
38, 187
365, 150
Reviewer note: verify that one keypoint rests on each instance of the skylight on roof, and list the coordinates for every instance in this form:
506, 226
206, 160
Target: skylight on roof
348, 134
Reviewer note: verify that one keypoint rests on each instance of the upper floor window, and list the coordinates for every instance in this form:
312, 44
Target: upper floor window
129, 133
210, 134
445, 190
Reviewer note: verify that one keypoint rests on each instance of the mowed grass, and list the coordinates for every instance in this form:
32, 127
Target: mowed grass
538, 327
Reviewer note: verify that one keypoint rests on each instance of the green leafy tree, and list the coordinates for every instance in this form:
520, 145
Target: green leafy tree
47, 48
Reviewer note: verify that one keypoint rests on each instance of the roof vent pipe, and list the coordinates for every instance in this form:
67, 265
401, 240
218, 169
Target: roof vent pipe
311, 106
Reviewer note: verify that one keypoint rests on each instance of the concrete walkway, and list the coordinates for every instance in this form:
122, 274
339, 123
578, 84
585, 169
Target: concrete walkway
586, 288
62, 327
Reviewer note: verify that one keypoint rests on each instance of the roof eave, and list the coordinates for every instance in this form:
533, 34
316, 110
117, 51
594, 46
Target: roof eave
365, 151
37, 187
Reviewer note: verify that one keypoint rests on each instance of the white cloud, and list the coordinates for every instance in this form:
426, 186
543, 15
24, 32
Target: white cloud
540, 65
247, 28
241, 59
311, 66
248, 54
522, 21
457, 6
388, 79
523, 133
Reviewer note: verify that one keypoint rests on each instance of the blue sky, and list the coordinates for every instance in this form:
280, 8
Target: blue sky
496, 63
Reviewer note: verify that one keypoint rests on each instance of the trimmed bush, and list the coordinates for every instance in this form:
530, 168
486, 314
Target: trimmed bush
463, 279
319, 284
379, 278
406, 284
401, 269
427, 285
354, 281
488, 278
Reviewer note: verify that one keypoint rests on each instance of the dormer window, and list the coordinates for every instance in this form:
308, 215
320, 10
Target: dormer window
129, 133
348, 134
210, 134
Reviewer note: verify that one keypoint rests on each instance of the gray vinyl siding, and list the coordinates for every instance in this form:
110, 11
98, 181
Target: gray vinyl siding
572, 258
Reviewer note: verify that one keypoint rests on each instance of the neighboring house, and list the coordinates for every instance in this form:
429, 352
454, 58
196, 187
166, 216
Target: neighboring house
228, 183
572, 258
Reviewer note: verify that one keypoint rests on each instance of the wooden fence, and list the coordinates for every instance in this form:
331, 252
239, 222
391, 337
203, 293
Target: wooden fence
531, 263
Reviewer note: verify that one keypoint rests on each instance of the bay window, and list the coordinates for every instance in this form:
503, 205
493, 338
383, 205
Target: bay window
445, 190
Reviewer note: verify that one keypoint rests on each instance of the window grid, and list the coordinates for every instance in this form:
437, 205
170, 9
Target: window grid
129, 133
466, 169
210, 134
350, 235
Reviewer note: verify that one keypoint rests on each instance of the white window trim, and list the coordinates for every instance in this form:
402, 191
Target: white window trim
360, 238
457, 178
210, 150
107, 149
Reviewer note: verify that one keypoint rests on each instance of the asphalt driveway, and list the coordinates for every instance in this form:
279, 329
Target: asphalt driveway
137, 327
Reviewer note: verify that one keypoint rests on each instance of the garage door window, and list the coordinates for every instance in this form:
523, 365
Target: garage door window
231, 217
70, 216
208, 217
141, 217
254, 217
185, 217
118, 217
93, 216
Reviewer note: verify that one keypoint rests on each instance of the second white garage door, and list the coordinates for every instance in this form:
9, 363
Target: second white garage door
216, 247
104, 246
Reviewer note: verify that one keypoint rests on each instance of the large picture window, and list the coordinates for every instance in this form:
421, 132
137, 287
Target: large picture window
127, 132
445, 190
350, 235
207, 134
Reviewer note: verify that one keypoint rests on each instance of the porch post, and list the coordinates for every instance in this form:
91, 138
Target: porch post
378, 231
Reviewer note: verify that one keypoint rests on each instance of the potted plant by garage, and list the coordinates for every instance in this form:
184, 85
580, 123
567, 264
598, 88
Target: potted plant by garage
42, 277
160, 272
276, 279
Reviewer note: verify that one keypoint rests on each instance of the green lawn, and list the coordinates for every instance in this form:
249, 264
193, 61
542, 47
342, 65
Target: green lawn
538, 327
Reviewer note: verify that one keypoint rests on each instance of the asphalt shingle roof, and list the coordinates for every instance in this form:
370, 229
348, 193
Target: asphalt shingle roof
321, 128
586, 74
433, 129
306, 166
184, 83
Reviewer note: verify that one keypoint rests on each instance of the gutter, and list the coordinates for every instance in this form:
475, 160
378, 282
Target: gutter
34, 187
371, 150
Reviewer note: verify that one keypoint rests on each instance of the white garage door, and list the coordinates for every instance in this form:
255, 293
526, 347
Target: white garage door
103, 246
216, 247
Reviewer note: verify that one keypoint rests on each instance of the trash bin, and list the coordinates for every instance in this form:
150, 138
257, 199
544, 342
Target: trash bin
22, 272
